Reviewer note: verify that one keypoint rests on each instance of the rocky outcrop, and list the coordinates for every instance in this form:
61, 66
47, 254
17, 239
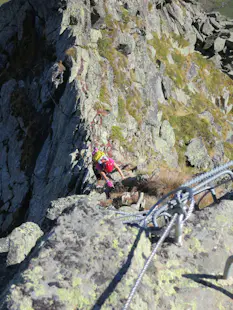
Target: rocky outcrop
90, 260
197, 154
120, 76
82, 261
20, 242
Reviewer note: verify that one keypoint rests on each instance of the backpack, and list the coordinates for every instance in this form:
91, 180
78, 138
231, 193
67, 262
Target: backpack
98, 155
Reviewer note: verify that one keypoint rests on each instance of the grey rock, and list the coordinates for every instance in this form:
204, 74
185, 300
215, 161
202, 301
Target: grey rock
21, 241
209, 41
169, 154
4, 245
125, 43
167, 87
59, 206
167, 133
192, 72
219, 44
197, 154
224, 34
40, 108
207, 28
217, 59
199, 36
215, 23
98, 257
73, 259
47, 154
218, 157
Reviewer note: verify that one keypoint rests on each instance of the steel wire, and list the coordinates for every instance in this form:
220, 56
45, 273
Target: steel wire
159, 243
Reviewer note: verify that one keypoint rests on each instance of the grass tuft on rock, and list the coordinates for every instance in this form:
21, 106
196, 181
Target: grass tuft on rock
116, 134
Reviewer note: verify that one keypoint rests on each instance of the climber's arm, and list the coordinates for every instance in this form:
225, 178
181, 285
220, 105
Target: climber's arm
103, 175
119, 170
108, 182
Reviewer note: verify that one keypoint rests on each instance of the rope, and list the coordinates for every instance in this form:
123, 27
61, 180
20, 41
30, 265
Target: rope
162, 238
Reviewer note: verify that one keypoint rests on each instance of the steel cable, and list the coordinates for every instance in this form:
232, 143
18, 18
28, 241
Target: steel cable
162, 238
181, 200
208, 174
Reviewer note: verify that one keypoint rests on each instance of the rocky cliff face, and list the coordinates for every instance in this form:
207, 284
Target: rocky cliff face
150, 82
44, 138
120, 75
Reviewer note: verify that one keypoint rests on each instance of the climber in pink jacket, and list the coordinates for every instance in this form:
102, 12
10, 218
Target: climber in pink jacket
105, 165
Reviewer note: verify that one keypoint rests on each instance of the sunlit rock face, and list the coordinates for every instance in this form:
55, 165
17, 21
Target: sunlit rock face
79, 74
90, 260
149, 82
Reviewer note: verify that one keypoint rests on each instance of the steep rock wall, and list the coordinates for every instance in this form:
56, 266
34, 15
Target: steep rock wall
120, 75
44, 139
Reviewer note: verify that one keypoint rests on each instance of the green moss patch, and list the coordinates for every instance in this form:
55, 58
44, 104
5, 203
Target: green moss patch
134, 105
228, 148
104, 95
161, 45
121, 110
190, 126
3, 1
180, 40
130, 100
116, 134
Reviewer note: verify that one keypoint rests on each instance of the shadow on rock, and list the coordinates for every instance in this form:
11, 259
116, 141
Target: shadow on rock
113, 284
200, 278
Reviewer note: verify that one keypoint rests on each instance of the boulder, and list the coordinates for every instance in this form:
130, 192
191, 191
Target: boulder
197, 154
125, 43
219, 44
20, 242
225, 34
207, 28
209, 41
217, 59
215, 23
168, 153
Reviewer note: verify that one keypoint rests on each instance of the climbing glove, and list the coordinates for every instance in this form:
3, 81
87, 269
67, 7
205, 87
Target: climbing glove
110, 184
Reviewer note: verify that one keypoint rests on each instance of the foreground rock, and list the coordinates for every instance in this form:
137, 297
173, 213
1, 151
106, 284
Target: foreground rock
90, 260
20, 242
81, 262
